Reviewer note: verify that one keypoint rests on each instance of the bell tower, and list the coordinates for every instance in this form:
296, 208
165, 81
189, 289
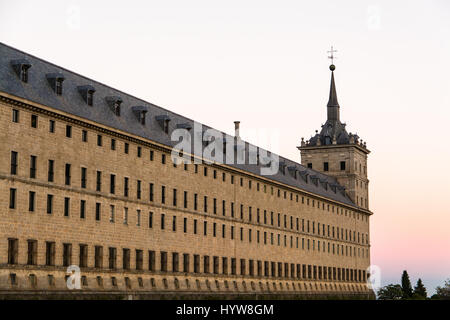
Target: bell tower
337, 153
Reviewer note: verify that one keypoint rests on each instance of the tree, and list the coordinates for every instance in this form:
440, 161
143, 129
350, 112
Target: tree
390, 292
443, 292
406, 286
420, 292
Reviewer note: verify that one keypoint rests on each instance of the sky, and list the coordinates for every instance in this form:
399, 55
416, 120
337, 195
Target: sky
265, 64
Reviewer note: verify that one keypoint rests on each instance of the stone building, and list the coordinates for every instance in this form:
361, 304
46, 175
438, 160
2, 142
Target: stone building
92, 204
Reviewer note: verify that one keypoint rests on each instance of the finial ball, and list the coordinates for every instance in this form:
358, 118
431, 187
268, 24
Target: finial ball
332, 67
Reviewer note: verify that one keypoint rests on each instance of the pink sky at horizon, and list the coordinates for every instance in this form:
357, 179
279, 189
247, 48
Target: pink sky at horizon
265, 63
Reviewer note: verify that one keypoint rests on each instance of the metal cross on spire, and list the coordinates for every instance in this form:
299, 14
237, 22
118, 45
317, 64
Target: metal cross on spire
331, 56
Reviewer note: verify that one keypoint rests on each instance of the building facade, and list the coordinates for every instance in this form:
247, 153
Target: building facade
92, 204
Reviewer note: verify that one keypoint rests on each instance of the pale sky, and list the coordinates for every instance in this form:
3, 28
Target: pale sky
265, 63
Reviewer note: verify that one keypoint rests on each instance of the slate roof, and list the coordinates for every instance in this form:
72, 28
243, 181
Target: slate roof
39, 90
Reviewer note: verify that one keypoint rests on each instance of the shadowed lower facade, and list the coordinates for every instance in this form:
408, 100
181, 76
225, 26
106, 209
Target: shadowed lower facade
88, 184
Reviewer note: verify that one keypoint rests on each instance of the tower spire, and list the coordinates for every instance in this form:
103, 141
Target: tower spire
333, 105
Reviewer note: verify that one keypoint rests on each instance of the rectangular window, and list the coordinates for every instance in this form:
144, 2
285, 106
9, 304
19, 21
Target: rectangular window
113, 144
15, 115
83, 177
174, 197
184, 225
196, 263
126, 147
138, 189
66, 206
151, 192
32, 200
163, 194
325, 166
151, 260
310, 165
51, 126
163, 159
98, 257
174, 223
99, 181
97, 211
175, 262
112, 214
34, 121
138, 218
112, 183
195, 226
163, 261
342, 165
12, 198
139, 152
67, 254
125, 215
50, 253
150, 219
84, 135
195, 201
13, 251
125, 258
224, 265
67, 174
33, 167
185, 204
205, 203
49, 203
32, 252
51, 165
151, 155
99, 140
82, 209
163, 221
68, 131
14, 162
139, 259
112, 258
125, 187
185, 262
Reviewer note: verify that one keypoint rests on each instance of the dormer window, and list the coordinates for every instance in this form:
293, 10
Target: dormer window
163, 121
21, 67
87, 92
24, 74
116, 107
56, 80
114, 103
140, 112
58, 87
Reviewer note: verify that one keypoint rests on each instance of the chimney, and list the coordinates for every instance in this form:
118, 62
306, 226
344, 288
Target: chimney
236, 129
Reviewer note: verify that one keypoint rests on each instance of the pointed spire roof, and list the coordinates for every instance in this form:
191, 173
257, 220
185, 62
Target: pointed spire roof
332, 101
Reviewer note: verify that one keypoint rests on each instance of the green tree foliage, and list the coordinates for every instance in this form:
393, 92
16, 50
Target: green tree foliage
390, 292
420, 292
443, 293
406, 286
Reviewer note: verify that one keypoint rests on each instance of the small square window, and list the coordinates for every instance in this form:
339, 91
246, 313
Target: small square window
310, 165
